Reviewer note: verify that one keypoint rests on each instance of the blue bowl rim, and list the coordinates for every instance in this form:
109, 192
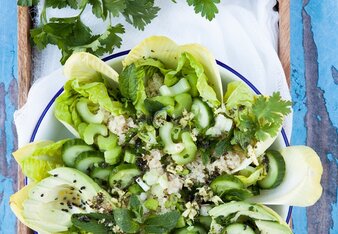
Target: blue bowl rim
122, 53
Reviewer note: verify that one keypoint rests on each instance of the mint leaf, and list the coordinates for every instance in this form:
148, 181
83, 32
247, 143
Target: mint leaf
94, 222
139, 13
207, 8
123, 218
221, 147
162, 223
131, 84
136, 207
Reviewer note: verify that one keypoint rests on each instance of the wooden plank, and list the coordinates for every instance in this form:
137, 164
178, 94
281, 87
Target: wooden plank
284, 37
24, 77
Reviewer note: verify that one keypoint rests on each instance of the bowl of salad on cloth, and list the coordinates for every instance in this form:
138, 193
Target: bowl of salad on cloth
164, 140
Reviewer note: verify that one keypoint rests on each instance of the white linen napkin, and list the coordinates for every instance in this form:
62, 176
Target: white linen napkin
243, 35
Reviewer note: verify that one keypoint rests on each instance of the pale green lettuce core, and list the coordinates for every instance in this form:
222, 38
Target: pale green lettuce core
96, 92
237, 94
134, 79
37, 158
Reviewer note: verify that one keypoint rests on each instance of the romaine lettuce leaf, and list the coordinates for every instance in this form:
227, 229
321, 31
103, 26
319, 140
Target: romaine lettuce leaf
37, 158
98, 94
189, 67
238, 94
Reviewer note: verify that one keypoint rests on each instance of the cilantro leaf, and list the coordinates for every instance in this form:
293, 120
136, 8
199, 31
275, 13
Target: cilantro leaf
270, 112
105, 42
115, 7
261, 120
93, 222
97, 8
163, 223
70, 35
139, 13
62, 3
28, 2
207, 8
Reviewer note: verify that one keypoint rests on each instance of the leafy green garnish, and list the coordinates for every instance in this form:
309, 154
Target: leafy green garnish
70, 34
94, 222
124, 219
38, 158
207, 8
136, 207
262, 120
162, 223
62, 3
139, 13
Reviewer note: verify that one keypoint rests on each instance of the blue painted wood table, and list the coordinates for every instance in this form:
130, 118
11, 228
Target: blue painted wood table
314, 80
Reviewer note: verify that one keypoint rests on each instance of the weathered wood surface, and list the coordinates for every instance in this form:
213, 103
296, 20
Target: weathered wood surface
314, 80
8, 104
24, 77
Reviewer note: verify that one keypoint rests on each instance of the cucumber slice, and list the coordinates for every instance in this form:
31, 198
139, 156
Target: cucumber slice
101, 173
275, 168
223, 183
203, 114
129, 157
123, 175
182, 86
236, 194
87, 159
92, 130
72, 148
86, 114
238, 228
113, 156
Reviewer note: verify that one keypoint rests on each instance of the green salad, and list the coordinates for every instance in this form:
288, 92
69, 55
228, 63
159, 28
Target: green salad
159, 147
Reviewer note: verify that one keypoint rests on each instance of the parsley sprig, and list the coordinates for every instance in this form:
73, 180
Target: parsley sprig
70, 34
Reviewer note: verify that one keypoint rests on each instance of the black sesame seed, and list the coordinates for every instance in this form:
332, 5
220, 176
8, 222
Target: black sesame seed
55, 175
64, 198
65, 210
42, 195
74, 181
73, 198
83, 188
61, 203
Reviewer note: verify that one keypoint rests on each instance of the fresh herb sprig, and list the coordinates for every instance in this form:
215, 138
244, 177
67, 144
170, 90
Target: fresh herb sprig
70, 34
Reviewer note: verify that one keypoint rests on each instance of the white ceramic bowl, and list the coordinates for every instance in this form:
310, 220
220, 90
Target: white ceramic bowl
48, 127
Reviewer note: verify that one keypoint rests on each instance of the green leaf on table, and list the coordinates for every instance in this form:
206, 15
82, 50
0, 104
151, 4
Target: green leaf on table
207, 8
163, 223
28, 2
70, 35
62, 3
115, 7
139, 13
